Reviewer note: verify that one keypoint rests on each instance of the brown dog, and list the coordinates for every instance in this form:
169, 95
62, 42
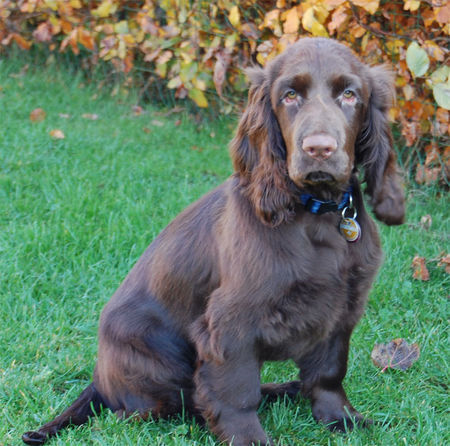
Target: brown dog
258, 269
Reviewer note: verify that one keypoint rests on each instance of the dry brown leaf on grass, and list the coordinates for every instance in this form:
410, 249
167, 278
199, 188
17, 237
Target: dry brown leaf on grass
91, 116
37, 115
420, 271
445, 262
426, 221
397, 354
157, 123
137, 110
57, 134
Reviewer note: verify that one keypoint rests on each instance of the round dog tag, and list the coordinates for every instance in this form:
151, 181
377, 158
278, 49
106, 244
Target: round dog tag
350, 229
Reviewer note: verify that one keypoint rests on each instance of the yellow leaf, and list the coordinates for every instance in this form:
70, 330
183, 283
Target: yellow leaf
121, 27
174, 83
261, 58
369, 5
75, 4
200, 84
105, 9
411, 5
198, 97
122, 50
292, 21
434, 50
230, 41
408, 92
308, 19
234, 17
161, 70
321, 13
52, 4
318, 29
311, 24
364, 42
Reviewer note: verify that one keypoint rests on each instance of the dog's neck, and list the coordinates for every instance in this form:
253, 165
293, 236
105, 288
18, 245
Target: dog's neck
318, 205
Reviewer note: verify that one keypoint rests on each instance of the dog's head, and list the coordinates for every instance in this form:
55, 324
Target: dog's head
314, 114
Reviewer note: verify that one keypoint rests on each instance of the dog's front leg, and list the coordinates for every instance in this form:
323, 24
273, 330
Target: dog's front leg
228, 389
322, 372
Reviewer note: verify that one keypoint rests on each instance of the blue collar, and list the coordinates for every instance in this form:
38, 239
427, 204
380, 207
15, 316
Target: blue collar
319, 207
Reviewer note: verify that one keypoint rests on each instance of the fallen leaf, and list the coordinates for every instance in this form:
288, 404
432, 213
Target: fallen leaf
369, 5
43, 33
420, 269
425, 175
37, 115
91, 116
165, 114
146, 130
57, 134
137, 110
234, 16
157, 123
64, 115
411, 5
397, 354
425, 221
21, 42
292, 21
441, 93
445, 262
417, 59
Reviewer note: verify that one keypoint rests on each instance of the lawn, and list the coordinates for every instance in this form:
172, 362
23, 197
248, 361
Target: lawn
77, 212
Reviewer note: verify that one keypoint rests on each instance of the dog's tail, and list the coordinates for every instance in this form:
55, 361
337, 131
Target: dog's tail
78, 413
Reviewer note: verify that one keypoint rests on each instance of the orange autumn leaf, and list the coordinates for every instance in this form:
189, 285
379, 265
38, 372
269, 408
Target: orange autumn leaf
37, 115
292, 21
420, 271
86, 39
23, 43
445, 263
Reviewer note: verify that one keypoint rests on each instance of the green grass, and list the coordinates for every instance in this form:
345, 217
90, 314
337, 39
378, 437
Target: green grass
77, 213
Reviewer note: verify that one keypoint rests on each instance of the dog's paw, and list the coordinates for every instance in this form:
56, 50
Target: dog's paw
348, 423
34, 437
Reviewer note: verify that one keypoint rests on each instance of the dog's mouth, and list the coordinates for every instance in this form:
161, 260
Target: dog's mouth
319, 177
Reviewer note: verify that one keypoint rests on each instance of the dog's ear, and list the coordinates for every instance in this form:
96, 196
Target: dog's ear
374, 150
258, 153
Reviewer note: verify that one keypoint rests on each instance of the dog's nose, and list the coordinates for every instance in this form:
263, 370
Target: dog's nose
319, 147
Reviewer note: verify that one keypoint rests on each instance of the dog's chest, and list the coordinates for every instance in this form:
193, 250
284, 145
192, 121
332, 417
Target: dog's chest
311, 305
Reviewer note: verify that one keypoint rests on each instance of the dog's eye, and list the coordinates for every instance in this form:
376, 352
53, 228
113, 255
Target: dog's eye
348, 94
348, 97
290, 96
